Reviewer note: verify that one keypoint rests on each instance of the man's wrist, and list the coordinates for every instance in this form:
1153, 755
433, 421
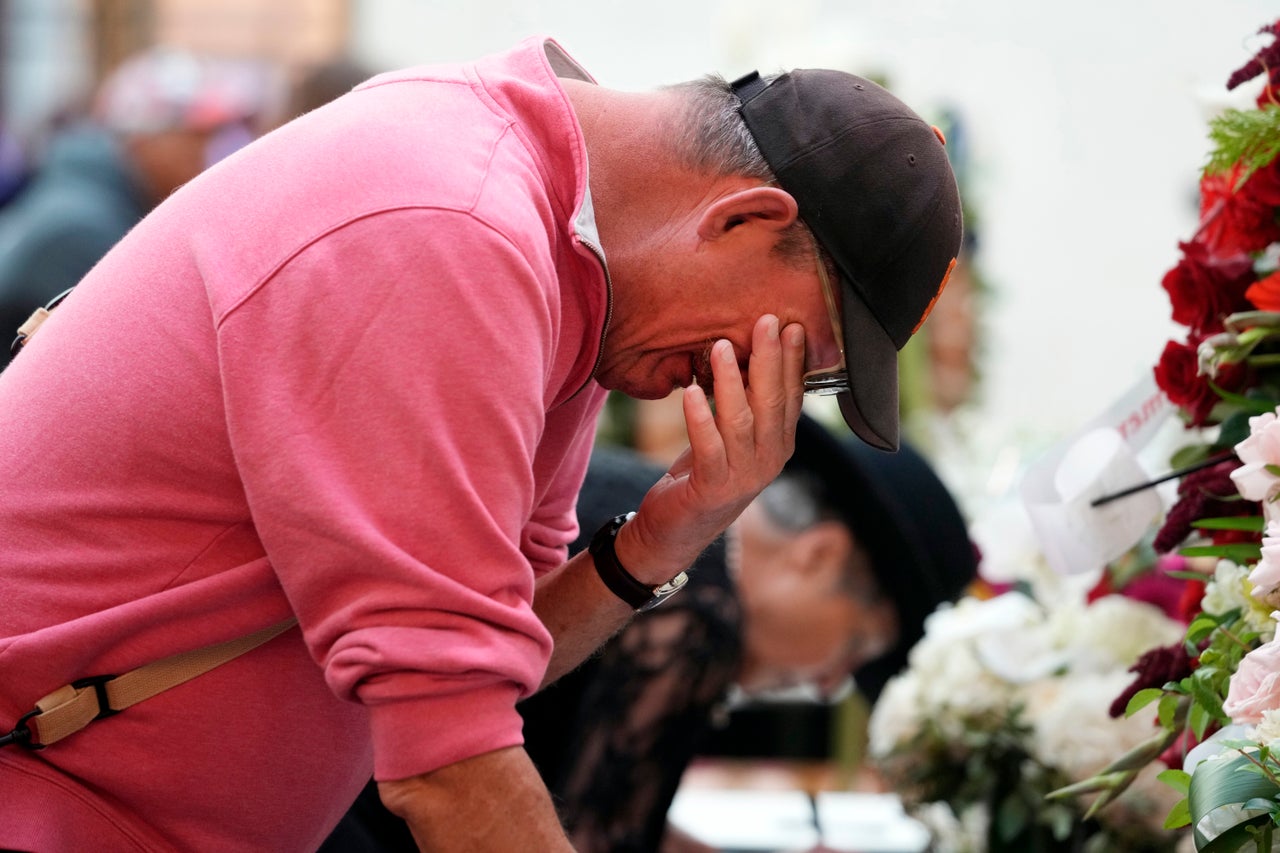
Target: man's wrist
637, 591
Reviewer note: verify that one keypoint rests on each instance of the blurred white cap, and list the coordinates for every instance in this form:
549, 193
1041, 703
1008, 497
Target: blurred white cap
164, 89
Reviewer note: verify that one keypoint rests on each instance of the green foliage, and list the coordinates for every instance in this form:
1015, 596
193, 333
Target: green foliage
1254, 523
1236, 552
1248, 137
989, 765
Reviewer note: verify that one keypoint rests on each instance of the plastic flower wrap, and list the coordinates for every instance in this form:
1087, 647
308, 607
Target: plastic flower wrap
1005, 700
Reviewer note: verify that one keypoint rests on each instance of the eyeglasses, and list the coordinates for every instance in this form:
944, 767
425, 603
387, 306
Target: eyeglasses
827, 373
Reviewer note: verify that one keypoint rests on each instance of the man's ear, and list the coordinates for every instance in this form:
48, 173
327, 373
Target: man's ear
769, 207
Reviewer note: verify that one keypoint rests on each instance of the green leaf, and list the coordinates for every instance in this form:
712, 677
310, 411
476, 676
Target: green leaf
1253, 320
1248, 404
1263, 804
1201, 627
1198, 720
1236, 552
1062, 822
1179, 815
1142, 699
1255, 523
1234, 429
1185, 457
1235, 838
1250, 138
1224, 782
1178, 780
1012, 817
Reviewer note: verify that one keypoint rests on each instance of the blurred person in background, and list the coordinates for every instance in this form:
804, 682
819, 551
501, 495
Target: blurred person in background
828, 574
14, 168
155, 123
324, 81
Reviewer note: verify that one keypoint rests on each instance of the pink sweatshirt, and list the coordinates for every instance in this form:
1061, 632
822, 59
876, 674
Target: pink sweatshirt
345, 374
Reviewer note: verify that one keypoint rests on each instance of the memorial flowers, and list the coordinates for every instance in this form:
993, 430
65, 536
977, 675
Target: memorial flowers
1005, 700
1217, 690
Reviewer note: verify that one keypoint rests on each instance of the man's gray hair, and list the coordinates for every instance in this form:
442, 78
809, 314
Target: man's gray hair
791, 502
712, 138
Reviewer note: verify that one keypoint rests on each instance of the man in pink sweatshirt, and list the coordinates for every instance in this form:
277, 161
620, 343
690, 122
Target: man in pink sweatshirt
350, 375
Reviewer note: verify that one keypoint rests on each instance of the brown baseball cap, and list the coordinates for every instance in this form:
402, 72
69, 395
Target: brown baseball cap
874, 185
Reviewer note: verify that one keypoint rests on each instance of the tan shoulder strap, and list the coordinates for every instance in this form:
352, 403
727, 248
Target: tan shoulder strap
28, 329
73, 706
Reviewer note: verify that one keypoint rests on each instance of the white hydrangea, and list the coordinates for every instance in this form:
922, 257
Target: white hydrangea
1268, 729
1228, 589
896, 718
1114, 631
954, 682
1073, 729
1063, 665
951, 834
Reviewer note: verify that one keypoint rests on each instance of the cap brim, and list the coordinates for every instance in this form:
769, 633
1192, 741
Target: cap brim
870, 408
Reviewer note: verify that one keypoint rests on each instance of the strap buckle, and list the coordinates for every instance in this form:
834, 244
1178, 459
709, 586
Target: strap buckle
21, 734
35, 321
64, 711
99, 685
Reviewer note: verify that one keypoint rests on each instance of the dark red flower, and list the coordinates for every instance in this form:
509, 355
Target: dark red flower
1203, 288
1235, 220
1154, 586
1265, 61
1178, 376
1175, 756
1207, 493
1155, 668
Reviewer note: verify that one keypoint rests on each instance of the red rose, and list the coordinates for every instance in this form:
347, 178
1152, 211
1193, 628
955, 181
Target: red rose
1243, 219
1204, 288
1265, 293
1178, 376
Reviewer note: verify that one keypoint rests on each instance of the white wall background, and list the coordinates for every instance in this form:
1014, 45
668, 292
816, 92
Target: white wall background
1086, 121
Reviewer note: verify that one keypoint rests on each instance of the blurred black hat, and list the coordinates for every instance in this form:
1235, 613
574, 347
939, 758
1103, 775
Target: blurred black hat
908, 521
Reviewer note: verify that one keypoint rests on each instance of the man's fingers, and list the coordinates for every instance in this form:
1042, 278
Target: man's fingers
706, 447
792, 376
764, 370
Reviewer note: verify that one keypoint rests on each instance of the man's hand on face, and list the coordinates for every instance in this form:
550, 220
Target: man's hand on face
734, 452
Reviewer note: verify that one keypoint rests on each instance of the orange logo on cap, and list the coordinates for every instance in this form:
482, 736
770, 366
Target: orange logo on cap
937, 131
934, 301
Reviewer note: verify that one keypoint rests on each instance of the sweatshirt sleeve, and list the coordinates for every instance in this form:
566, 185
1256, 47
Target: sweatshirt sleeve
385, 392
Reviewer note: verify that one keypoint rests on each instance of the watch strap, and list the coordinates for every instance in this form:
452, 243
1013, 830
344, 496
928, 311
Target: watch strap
638, 595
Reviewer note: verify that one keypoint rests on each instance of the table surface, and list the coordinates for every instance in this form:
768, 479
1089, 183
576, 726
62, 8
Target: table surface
757, 774
767, 805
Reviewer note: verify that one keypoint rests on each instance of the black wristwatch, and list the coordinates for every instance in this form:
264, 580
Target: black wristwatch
640, 596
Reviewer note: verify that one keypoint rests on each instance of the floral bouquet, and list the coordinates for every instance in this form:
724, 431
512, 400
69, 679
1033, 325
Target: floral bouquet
1217, 690
1005, 700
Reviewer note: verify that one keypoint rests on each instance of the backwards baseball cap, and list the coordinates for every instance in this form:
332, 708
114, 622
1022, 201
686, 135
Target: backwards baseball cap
907, 520
873, 183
